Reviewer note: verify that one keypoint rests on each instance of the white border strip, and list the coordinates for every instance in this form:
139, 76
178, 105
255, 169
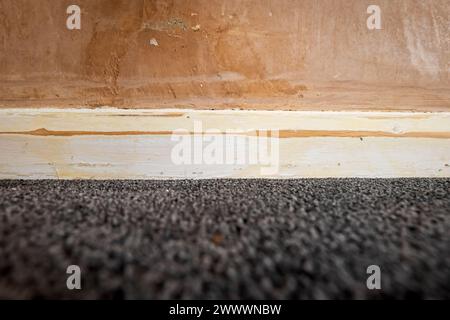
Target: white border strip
111, 143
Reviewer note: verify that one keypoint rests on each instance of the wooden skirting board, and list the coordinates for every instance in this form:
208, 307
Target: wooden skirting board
109, 143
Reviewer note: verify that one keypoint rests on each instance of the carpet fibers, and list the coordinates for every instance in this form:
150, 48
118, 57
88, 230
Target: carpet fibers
225, 239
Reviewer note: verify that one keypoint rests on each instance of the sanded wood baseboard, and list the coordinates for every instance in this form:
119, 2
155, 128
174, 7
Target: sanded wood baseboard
110, 143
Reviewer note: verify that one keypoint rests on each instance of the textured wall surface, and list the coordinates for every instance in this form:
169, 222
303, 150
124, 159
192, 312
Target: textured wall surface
212, 53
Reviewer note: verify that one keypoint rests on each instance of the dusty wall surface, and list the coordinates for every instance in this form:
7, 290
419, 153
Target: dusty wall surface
288, 54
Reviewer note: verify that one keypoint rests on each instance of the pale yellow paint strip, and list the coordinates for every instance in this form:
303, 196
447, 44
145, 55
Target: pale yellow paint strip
135, 144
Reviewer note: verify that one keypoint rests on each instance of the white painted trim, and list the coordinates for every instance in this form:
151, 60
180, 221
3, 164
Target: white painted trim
111, 143
109, 119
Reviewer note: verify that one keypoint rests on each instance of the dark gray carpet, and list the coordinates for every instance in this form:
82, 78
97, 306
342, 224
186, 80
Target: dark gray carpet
225, 238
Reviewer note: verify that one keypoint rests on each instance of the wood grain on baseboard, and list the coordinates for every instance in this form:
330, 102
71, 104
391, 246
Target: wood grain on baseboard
113, 143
